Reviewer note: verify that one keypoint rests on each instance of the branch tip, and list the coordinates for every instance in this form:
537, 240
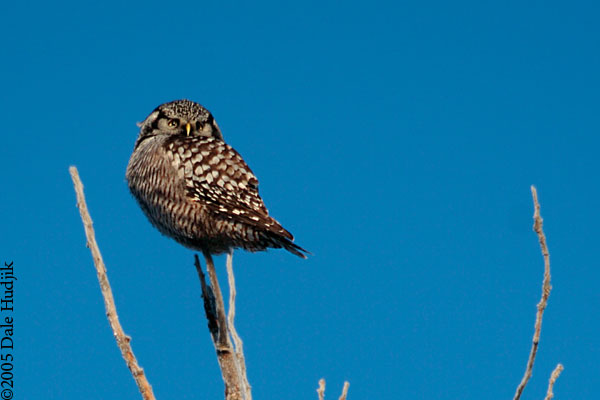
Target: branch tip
546, 288
321, 389
553, 377
345, 391
109, 302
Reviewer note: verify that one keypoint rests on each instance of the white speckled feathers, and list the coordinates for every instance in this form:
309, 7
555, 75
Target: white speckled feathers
217, 176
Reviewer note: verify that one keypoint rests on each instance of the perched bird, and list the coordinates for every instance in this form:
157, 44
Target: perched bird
196, 189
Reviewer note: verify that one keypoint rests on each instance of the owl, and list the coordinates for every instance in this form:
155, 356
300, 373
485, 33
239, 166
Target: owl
196, 189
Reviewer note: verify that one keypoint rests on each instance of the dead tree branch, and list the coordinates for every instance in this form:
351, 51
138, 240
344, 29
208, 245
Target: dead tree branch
321, 390
553, 378
232, 370
546, 287
109, 302
344, 391
237, 341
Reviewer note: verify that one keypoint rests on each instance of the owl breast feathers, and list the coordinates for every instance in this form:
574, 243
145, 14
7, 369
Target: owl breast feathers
197, 189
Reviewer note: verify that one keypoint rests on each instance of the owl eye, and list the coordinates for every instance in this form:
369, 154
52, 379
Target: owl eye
173, 123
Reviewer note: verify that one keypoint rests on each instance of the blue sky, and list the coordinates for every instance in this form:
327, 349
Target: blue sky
397, 141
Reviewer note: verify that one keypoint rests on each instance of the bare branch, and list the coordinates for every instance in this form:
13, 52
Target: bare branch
555, 374
321, 389
538, 228
217, 324
239, 345
109, 302
345, 391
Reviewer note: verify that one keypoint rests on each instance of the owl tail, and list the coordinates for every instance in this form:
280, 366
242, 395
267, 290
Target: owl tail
297, 250
290, 246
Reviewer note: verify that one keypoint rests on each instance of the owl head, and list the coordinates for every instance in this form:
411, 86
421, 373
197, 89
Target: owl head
180, 117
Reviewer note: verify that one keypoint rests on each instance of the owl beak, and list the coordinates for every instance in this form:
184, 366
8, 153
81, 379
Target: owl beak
188, 128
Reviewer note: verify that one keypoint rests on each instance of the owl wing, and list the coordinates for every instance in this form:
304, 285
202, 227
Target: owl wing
216, 176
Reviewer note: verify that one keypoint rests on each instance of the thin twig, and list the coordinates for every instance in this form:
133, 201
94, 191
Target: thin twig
538, 228
321, 389
345, 391
217, 322
553, 378
109, 302
239, 345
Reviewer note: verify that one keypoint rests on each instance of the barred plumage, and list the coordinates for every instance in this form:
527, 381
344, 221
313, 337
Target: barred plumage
197, 189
